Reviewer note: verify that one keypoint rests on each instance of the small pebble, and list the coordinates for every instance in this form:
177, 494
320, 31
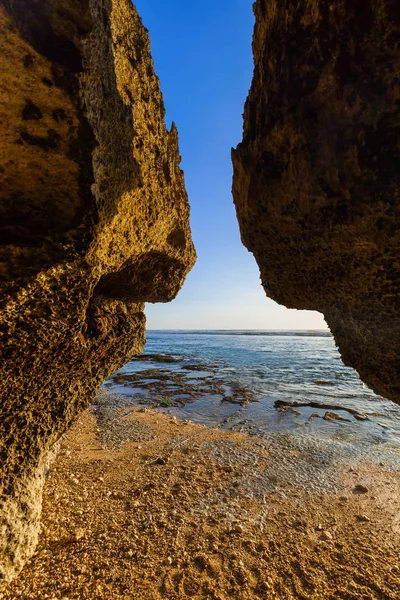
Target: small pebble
360, 489
118, 495
159, 461
78, 534
237, 529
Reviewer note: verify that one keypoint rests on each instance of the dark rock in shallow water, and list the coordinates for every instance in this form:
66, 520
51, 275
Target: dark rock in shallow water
317, 175
161, 358
94, 222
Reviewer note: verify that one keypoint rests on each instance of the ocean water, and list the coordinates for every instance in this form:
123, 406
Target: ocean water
246, 380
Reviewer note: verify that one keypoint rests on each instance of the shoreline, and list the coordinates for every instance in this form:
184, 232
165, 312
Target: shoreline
190, 512
219, 389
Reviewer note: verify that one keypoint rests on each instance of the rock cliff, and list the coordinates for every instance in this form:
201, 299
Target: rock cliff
317, 175
94, 221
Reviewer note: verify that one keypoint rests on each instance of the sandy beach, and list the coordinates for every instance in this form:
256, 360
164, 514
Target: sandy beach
239, 440
182, 511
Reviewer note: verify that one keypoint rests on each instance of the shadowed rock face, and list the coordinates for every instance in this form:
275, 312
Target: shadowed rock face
317, 175
94, 221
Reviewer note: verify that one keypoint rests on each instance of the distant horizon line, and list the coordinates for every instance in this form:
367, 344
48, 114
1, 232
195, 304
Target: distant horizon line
232, 329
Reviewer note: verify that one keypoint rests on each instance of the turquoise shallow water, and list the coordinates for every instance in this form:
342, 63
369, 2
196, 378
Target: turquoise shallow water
274, 366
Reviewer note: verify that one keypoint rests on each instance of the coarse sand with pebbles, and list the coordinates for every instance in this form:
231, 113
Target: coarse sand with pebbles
141, 506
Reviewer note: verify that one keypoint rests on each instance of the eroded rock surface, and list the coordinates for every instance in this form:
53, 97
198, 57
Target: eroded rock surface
317, 175
94, 221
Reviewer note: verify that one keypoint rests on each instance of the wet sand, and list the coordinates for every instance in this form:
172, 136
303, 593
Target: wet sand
210, 394
141, 506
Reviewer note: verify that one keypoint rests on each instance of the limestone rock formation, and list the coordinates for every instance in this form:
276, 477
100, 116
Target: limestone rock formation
94, 221
317, 175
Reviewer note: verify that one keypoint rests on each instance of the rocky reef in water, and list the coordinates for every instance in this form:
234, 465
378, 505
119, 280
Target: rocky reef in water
317, 176
94, 221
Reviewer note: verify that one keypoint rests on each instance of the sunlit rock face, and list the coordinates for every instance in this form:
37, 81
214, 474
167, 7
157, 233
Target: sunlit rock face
317, 175
94, 221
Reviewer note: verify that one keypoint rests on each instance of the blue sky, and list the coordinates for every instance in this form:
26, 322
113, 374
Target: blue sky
202, 54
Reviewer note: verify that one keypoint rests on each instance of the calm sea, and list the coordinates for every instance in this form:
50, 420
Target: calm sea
273, 369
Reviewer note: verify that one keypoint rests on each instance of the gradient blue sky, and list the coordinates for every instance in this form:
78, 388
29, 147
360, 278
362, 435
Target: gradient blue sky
202, 54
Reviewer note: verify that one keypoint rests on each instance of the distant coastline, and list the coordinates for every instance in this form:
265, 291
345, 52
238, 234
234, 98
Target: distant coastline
260, 332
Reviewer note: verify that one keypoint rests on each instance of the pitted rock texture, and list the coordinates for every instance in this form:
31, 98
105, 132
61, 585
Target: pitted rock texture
317, 176
94, 221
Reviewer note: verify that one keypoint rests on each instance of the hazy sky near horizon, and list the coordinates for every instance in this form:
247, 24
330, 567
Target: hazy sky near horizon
202, 54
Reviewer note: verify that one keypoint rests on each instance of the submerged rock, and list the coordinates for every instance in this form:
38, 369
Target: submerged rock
317, 175
94, 221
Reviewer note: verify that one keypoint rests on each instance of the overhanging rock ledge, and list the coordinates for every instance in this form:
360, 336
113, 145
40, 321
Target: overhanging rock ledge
94, 221
317, 176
